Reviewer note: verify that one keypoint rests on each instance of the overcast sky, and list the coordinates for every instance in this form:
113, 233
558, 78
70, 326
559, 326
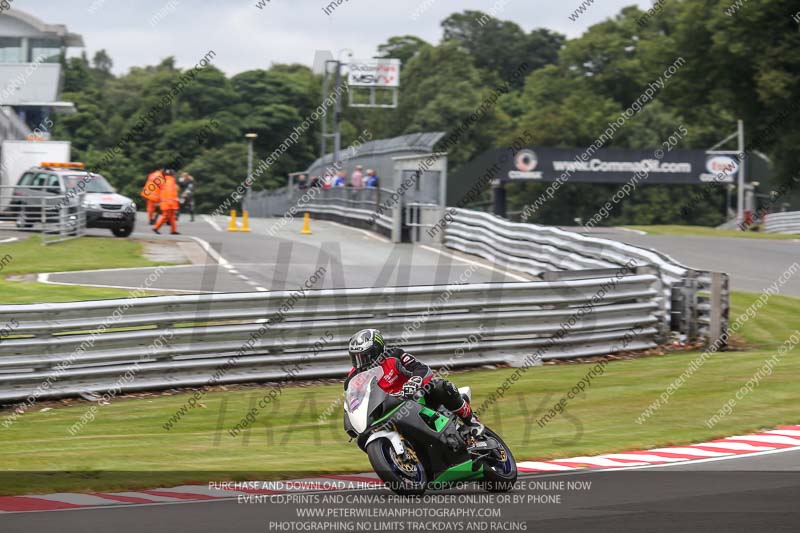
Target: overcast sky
143, 32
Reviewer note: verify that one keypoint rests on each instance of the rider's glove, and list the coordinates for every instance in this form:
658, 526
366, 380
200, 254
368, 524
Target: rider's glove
411, 386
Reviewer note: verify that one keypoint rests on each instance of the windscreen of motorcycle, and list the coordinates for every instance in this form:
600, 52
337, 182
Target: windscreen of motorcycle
356, 399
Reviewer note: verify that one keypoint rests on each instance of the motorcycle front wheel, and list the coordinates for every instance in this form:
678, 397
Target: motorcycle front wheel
499, 470
405, 475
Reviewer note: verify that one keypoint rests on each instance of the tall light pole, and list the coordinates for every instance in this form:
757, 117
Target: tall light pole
337, 106
251, 137
740, 209
740, 154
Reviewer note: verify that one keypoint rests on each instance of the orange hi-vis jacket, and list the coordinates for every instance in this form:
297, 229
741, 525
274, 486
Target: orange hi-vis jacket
152, 188
169, 194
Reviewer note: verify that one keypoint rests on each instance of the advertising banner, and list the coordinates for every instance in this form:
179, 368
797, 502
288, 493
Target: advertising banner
614, 165
374, 73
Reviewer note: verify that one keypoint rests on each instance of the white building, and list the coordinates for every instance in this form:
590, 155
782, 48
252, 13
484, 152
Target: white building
31, 76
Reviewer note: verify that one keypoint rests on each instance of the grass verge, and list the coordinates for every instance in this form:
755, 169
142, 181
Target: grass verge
88, 253
127, 447
704, 231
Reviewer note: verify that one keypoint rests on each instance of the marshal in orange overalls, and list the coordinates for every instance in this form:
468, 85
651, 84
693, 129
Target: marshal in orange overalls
169, 203
151, 192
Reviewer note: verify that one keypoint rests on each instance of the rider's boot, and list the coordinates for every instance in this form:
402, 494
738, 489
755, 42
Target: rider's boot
473, 425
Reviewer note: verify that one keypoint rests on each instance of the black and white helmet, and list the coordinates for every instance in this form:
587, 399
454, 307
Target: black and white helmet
366, 347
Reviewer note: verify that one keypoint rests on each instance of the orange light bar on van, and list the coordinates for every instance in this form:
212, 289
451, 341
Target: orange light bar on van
63, 165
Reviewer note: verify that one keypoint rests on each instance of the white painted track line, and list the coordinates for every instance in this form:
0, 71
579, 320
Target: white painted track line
539, 465
212, 222
768, 439
644, 457
597, 461
736, 446
784, 432
45, 278
689, 451
629, 230
212, 252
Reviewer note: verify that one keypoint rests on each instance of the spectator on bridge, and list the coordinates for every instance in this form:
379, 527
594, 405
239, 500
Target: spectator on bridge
151, 192
357, 178
169, 203
341, 179
301, 182
187, 194
372, 179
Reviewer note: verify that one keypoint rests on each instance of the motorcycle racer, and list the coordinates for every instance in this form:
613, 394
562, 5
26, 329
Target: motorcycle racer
404, 375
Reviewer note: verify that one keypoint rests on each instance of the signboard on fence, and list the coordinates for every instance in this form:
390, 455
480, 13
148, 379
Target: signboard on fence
607, 165
374, 73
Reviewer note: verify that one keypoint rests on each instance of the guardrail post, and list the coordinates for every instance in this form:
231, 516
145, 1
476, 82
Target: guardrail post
658, 285
684, 306
690, 301
719, 308
397, 221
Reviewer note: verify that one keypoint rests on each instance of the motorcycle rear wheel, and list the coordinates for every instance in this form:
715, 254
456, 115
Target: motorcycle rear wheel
404, 477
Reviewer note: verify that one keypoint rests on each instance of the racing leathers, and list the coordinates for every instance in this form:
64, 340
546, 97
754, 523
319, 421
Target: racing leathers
404, 375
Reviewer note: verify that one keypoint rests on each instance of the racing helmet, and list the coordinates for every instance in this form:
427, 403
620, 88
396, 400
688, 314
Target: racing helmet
366, 347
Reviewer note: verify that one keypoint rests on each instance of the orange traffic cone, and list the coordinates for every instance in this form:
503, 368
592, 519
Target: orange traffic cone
245, 221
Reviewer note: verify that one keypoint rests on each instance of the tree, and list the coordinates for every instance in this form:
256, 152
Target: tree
102, 62
403, 47
219, 172
77, 75
443, 89
498, 46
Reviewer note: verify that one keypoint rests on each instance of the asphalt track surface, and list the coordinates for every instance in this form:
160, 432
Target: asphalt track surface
753, 264
260, 261
356, 258
754, 493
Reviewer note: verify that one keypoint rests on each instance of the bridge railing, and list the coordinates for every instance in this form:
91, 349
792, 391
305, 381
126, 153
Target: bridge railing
368, 207
65, 349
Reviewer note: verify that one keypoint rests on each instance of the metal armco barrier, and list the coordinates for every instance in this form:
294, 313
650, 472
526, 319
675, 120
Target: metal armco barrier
65, 349
57, 216
536, 250
783, 222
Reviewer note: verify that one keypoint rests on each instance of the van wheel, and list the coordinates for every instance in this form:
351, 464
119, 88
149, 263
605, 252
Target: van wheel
123, 231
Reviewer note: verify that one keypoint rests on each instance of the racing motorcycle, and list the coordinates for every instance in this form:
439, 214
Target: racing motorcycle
413, 447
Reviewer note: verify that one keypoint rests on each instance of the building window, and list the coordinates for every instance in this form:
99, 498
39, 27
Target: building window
44, 51
11, 50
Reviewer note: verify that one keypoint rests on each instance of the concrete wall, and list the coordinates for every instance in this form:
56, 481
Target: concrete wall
22, 83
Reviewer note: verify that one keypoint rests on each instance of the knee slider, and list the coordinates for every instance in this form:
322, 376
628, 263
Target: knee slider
450, 389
